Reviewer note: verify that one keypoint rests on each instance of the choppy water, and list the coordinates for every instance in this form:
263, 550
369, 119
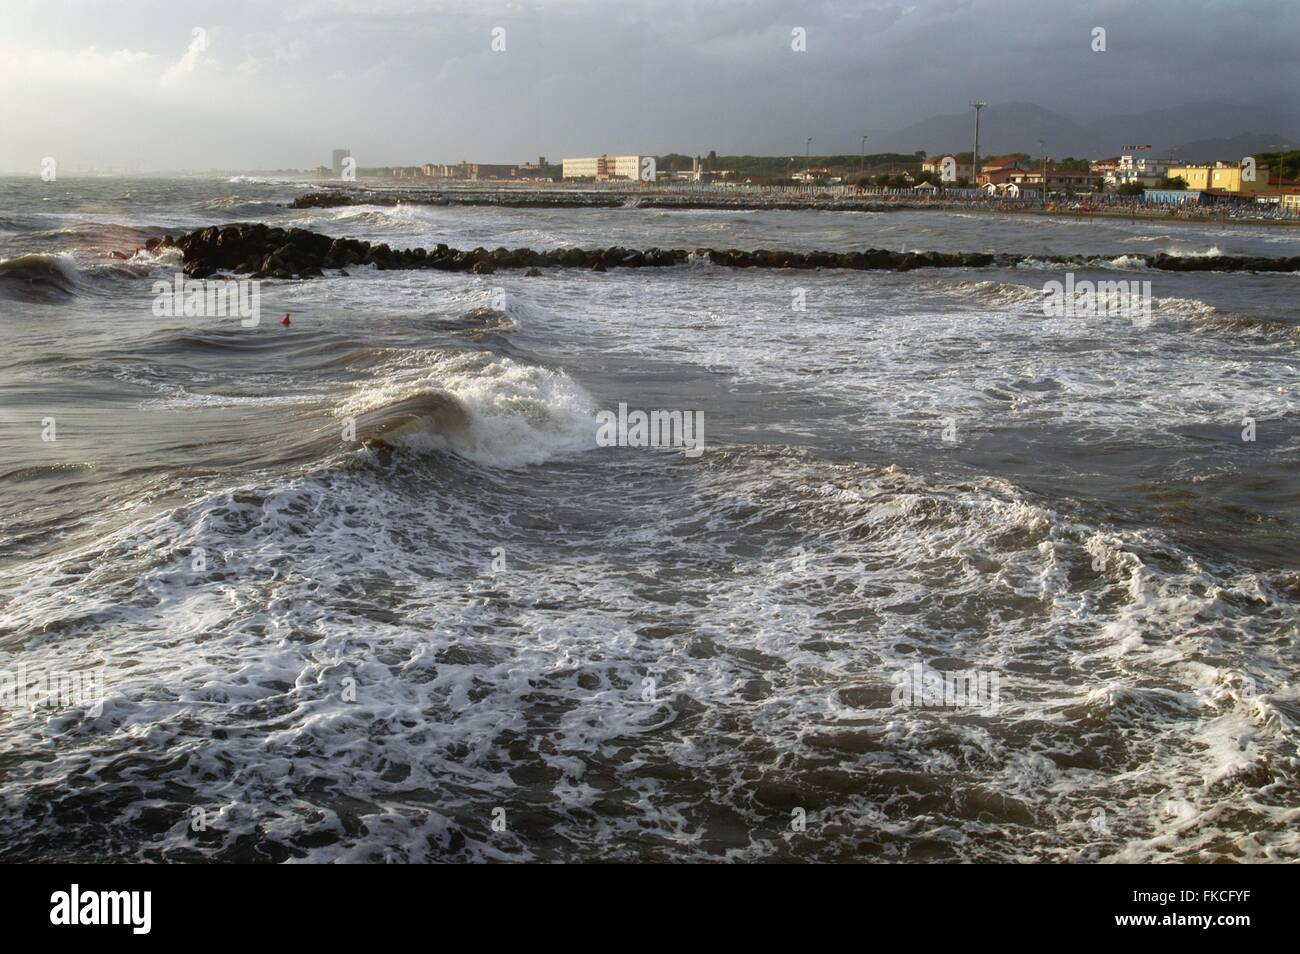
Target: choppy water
634, 653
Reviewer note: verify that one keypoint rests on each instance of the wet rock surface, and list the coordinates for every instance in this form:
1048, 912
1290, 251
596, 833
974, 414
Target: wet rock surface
264, 251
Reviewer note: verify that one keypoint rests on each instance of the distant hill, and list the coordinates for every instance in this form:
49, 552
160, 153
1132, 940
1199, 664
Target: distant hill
1017, 127
784, 165
1004, 128
1247, 144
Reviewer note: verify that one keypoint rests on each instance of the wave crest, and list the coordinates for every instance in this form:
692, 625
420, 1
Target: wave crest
492, 410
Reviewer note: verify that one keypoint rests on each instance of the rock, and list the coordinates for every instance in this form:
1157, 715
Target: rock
533, 272
263, 251
320, 200
335, 255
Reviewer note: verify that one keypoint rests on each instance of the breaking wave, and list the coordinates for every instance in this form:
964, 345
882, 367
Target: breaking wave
55, 276
506, 413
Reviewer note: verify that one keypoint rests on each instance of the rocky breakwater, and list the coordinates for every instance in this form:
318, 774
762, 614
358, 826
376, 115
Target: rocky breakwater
504, 198
571, 199
267, 252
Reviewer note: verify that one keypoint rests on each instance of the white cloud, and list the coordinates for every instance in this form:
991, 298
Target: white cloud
87, 66
194, 56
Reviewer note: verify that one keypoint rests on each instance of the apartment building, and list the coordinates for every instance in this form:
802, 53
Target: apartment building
1222, 177
602, 167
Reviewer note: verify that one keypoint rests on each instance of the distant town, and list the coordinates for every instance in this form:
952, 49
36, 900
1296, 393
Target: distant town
1269, 179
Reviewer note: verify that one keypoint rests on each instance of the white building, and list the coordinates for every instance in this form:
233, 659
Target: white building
1140, 169
961, 167
603, 167
624, 167
583, 168
1021, 190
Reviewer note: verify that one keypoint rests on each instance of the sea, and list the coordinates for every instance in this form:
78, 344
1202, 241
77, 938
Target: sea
947, 578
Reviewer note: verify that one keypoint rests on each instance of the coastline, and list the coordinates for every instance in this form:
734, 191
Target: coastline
1147, 217
509, 196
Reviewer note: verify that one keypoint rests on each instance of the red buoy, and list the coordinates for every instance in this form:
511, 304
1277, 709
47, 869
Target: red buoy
285, 320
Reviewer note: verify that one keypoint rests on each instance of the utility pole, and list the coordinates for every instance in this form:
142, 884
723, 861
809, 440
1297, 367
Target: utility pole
862, 165
975, 157
1042, 161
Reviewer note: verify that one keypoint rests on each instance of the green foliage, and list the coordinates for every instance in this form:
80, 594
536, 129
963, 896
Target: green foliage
744, 166
888, 180
1289, 162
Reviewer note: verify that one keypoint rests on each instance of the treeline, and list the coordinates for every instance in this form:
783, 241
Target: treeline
784, 165
1289, 162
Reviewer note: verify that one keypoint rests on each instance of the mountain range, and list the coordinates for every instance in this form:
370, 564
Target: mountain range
1243, 129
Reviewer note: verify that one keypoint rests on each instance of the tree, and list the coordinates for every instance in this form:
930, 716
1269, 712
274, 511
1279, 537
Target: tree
1285, 164
1177, 182
1131, 188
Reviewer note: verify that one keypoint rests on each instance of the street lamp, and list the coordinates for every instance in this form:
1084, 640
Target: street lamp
862, 164
975, 156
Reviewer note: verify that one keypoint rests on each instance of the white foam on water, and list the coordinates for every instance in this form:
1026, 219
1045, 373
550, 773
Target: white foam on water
519, 414
772, 602
497, 598
1129, 262
909, 350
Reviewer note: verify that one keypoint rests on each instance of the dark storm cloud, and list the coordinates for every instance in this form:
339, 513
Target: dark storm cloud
406, 81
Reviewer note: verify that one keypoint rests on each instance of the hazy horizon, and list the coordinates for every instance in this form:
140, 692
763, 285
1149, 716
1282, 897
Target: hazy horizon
400, 82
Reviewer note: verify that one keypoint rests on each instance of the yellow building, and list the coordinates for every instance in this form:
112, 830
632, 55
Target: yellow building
1221, 177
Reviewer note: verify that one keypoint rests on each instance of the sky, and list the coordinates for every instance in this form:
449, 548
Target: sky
152, 85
